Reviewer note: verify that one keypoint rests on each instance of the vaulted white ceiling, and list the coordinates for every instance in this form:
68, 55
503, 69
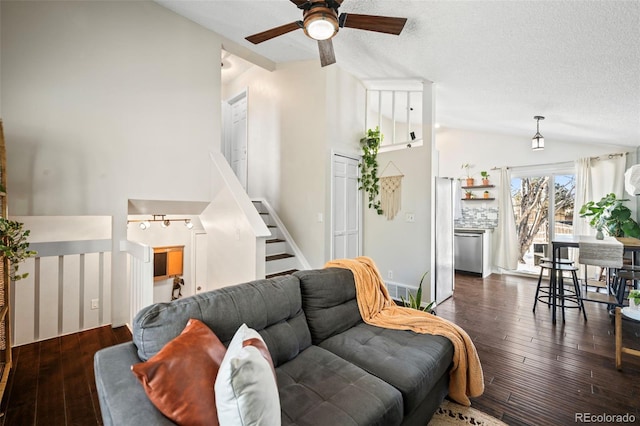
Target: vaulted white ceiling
495, 64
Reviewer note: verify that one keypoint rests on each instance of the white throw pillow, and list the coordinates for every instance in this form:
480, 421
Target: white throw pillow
246, 390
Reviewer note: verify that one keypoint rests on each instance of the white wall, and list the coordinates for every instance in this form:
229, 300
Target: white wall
174, 235
106, 101
296, 115
487, 150
397, 245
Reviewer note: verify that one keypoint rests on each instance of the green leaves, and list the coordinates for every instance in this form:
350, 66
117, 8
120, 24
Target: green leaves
369, 181
611, 215
14, 245
415, 302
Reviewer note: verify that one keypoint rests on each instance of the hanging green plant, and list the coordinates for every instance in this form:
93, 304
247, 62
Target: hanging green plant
14, 246
369, 181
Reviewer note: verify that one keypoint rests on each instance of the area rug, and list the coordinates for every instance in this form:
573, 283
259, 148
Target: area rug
450, 413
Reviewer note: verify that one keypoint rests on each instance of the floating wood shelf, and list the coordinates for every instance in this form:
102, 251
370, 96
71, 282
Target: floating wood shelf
478, 187
478, 199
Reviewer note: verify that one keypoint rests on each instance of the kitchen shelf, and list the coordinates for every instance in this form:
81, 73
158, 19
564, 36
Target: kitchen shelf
478, 199
478, 186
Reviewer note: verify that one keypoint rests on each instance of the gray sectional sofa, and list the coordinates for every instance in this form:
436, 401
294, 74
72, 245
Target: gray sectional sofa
332, 369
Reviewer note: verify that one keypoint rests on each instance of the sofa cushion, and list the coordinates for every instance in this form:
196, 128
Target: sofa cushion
272, 307
320, 388
329, 301
123, 402
410, 362
246, 389
179, 379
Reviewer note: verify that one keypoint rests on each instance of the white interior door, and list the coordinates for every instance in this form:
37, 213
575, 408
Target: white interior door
236, 137
346, 208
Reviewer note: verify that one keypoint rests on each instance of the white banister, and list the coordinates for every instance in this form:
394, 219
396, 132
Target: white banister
140, 275
61, 276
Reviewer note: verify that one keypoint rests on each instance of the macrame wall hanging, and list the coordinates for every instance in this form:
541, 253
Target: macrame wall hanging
391, 191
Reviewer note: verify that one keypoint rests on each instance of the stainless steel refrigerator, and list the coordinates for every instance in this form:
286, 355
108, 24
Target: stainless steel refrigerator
443, 235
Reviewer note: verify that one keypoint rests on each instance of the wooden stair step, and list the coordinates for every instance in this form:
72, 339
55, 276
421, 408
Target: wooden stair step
281, 274
276, 240
279, 256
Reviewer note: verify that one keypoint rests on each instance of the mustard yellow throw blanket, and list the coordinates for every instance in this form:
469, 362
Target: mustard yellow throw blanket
378, 309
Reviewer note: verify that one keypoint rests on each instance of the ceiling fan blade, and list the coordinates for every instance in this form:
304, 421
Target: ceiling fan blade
274, 32
327, 56
381, 24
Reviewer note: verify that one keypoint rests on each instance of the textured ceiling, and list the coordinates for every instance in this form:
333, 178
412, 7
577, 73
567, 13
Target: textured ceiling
495, 64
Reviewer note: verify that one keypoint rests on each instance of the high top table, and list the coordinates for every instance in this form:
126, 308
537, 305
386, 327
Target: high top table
560, 241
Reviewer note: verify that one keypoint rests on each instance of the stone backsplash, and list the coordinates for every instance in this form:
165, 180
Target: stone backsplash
485, 218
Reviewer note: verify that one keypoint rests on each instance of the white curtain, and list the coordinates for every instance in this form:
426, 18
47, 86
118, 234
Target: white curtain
505, 239
595, 178
583, 195
607, 176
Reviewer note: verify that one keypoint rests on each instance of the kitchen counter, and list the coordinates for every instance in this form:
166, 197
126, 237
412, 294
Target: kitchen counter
473, 230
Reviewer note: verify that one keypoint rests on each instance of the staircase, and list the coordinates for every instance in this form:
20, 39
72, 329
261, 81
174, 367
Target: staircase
282, 255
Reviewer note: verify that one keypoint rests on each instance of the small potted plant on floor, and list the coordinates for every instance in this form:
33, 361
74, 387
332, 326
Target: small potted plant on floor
485, 177
634, 300
415, 302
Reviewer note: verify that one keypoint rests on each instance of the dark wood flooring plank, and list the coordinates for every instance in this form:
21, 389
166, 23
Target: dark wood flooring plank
80, 408
536, 372
51, 397
21, 406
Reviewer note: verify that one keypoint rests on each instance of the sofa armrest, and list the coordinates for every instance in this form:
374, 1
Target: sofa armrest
123, 400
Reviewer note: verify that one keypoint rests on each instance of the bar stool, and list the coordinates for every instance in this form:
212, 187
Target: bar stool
546, 290
569, 297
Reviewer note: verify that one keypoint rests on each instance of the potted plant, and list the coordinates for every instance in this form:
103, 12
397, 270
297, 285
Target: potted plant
369, 180
415, 302
611, 215
485, 177
468, 194
485, 194
467, 168
14, 246
634, 300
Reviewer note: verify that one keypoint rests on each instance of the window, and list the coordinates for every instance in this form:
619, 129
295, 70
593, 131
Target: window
540, 213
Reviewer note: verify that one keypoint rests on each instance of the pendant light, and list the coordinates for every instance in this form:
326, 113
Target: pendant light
537, 143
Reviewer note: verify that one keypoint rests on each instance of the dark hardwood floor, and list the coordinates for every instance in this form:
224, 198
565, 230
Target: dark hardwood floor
535, 373
52, 382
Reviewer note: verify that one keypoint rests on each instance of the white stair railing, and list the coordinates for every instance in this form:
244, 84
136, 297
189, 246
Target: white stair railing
140, 262
68, 290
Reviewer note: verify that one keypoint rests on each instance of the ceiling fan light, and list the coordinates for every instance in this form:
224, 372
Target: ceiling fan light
320, 26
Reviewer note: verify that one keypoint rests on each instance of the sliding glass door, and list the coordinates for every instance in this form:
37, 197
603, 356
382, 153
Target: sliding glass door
543, 205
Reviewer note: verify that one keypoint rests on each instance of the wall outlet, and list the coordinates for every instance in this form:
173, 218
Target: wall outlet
390, 274
410, 217
94, 303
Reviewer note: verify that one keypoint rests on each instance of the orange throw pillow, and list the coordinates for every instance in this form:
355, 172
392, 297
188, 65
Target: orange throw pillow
179, 380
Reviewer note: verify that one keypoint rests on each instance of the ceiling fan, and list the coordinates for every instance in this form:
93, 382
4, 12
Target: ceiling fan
320, 21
